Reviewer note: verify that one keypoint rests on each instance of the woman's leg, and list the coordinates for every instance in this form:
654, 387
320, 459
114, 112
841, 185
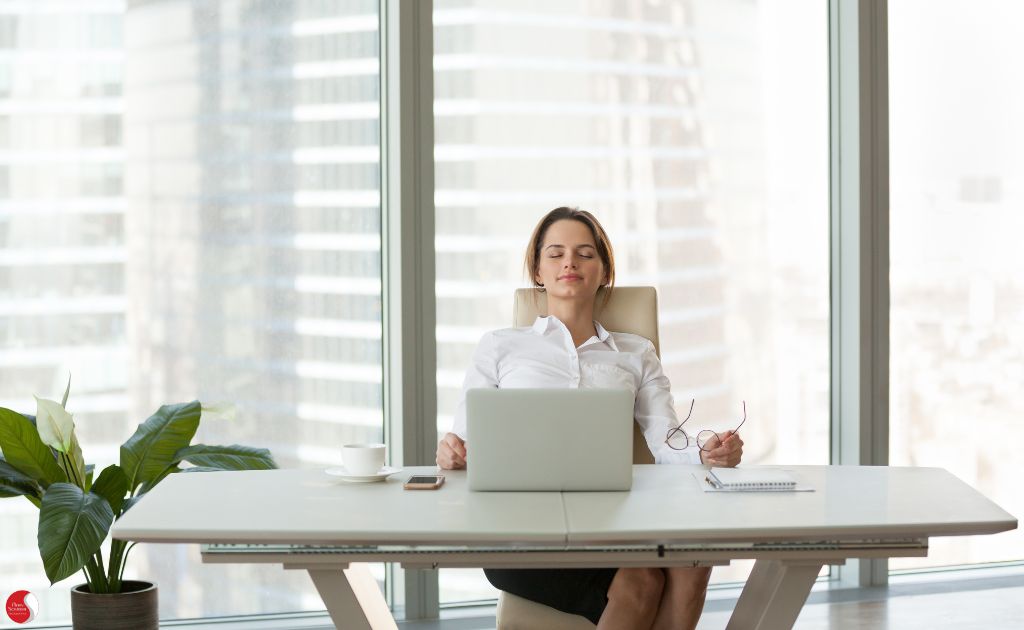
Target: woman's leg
581, 592
633, 598
683, 597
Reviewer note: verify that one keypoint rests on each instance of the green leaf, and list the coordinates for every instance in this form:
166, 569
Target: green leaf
77, 462
54, 423
23, 449
233, 457
152, 448
149, 485
112, 485
72, 526
73, 465
130, 502
14, 483
9, 490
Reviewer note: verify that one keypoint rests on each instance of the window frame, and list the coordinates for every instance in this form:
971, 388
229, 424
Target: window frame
859, 247
407, 263
858, 251
859, 254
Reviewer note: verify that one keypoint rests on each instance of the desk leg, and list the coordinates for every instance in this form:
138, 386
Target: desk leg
353, 598
774, 594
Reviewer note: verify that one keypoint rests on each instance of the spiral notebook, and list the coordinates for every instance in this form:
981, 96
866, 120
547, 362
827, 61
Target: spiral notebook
751, 480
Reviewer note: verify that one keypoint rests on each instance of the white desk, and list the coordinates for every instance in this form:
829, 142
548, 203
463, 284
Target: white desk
666, 520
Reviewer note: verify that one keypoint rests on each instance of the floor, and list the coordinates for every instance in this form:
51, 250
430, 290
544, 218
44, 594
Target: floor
996, 604
992, 600
965, 604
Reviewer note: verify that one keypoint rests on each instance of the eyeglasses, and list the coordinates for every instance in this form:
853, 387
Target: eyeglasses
679, 439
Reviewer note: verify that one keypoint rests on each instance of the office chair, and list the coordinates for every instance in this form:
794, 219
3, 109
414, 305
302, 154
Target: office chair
630, 310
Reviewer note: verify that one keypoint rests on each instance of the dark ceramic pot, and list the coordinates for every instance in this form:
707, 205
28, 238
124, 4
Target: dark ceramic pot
134, 608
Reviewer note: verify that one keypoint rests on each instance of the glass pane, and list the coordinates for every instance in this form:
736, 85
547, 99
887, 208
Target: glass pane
957, 324
697, 132
189, 208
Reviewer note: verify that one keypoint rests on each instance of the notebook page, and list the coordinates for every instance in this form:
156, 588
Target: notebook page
751, 478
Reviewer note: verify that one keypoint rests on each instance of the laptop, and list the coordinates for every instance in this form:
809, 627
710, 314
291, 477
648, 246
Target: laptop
549, 439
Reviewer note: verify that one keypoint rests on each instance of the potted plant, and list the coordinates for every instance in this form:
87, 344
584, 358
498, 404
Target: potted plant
42, 461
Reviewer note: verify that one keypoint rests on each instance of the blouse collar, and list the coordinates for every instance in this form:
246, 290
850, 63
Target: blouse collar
545, 323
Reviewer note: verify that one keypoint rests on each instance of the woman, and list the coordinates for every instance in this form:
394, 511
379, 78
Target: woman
569, 257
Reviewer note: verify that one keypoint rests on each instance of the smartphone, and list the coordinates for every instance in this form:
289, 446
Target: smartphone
424, 482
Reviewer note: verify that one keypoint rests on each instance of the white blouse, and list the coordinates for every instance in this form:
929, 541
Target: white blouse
544, 355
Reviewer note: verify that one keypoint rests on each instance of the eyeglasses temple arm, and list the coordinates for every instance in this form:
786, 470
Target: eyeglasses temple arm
736, 430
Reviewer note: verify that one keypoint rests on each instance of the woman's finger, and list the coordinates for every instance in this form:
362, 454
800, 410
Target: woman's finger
732, 441
455, 459
446, 457
456, 444
722, 451
732, 444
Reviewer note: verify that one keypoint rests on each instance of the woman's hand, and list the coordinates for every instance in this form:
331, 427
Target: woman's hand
724, 450
451, 452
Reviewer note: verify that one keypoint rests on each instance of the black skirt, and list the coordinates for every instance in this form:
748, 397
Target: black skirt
576, 591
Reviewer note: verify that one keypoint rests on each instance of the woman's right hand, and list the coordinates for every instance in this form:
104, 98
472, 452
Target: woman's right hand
451, 452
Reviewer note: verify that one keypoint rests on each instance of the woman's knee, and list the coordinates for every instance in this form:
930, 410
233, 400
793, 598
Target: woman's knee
638, 587
690, 581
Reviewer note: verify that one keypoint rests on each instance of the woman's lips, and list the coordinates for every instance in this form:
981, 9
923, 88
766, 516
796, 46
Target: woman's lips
570, 278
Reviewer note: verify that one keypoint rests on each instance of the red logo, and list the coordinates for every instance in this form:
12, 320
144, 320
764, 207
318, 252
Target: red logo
22, 607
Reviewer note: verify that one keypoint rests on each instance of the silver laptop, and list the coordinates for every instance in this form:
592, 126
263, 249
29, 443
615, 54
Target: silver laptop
549, 439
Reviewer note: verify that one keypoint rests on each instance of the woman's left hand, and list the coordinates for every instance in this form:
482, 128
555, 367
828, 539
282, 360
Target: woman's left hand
724, 450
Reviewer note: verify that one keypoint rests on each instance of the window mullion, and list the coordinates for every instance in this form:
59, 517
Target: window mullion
859, 199
407, 227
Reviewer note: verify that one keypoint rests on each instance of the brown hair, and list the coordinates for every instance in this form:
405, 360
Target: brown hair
604, 246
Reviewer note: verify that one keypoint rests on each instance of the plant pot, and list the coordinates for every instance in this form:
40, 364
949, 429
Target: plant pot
134, 608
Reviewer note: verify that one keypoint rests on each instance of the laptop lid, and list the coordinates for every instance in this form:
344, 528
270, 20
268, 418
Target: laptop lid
549, 439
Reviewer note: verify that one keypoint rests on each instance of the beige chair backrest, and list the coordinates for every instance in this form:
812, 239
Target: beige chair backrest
629, 310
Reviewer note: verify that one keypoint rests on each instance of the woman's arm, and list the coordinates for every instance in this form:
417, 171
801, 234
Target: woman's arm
482, 372
655, 411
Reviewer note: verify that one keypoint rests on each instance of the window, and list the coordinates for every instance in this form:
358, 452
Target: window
189, 212
957, 330
697, 132
190, 207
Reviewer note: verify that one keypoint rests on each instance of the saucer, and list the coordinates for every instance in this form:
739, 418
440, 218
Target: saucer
380, 475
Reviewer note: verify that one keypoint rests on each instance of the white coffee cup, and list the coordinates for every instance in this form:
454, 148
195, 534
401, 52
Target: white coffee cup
363, 459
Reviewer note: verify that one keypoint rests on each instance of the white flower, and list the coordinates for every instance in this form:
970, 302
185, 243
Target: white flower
218, 411
55, 425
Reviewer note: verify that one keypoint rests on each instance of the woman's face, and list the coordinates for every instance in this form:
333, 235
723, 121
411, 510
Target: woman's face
570, 267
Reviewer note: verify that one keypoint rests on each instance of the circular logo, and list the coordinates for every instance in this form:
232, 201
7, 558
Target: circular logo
22, 606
